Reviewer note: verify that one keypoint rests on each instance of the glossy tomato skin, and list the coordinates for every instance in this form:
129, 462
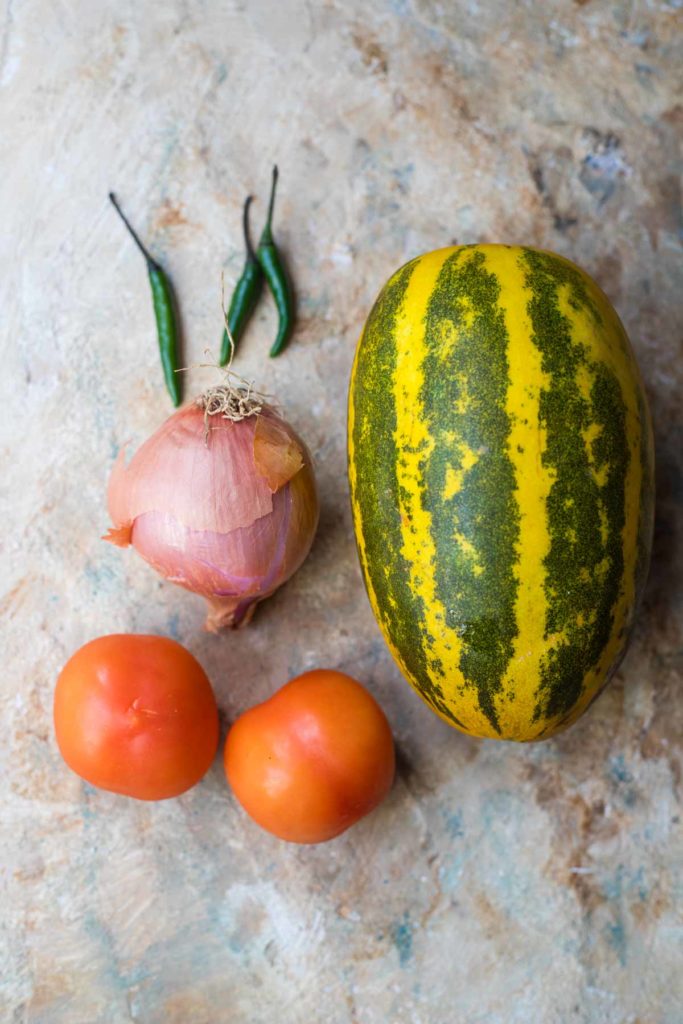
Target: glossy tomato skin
313, 759
136, 715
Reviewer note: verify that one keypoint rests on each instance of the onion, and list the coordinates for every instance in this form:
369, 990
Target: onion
221, 500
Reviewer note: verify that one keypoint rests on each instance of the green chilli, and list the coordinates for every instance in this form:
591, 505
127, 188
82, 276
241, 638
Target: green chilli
246, 293
165, 313
277, 278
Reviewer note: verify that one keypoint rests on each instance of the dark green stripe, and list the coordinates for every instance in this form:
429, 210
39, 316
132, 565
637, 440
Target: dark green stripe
575, 499
480, 608
647, 501
377, 490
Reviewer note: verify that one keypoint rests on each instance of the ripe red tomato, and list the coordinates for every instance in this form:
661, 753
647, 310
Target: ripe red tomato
313, 759
136, 715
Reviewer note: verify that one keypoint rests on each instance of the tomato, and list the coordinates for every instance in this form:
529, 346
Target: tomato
136, 715
313, 759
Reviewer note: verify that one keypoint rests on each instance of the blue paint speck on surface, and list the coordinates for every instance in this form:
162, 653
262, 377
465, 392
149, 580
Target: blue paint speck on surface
613, 887
454, 824
616, 937
618, 770
626, 882
452, 874
101, 577
173, 626
620, 775
88, 815
402, 934
403, 177
640, 883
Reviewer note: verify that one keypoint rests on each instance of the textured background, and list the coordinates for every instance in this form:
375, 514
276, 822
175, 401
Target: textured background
498, 884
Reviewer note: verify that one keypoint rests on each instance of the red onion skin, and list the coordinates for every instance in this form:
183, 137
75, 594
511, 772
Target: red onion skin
236, 568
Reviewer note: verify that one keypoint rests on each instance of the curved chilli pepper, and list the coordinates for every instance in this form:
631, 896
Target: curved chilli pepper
277, 279
164, 311
246, 293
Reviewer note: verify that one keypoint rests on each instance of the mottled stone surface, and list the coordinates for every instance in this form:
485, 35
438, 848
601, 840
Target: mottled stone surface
498, 884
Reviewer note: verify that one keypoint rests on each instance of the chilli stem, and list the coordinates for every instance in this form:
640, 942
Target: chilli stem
271, 202
245, 226
151, 262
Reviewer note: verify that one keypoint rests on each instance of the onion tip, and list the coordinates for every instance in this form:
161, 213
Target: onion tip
119, 535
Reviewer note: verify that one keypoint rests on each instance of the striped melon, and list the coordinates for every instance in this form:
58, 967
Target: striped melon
501, 474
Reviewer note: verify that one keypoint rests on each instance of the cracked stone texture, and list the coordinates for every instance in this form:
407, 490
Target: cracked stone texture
498, 884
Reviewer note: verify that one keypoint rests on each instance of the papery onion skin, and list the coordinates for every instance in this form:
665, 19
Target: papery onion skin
229, 514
